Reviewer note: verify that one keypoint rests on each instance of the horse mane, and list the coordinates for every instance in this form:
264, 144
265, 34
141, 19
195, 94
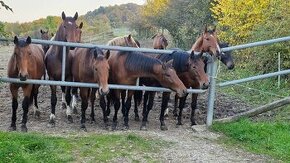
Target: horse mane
180, 59
117, 41
137, 61
93, 54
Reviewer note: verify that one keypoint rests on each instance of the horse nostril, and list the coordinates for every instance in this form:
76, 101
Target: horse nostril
204, 86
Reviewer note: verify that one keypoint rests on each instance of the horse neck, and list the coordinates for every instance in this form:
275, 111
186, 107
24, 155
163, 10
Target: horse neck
197, 46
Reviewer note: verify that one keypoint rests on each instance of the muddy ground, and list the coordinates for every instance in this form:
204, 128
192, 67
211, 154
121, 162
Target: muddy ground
198, 145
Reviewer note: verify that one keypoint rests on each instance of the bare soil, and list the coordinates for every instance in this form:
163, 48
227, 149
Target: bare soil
195, 144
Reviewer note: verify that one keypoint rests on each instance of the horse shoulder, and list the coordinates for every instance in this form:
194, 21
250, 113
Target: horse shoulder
12, 69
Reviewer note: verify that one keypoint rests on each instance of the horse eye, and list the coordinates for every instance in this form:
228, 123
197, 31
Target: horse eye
194, 67
64, 26
207, 39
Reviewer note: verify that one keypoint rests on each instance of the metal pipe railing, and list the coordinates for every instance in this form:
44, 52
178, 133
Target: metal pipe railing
93, 85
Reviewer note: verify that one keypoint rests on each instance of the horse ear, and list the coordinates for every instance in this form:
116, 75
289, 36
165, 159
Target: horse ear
15, 40
107, 54
154, 36
214, 28
28, 40
76, 16
205, 29
129, 37
169, 63
81, 25
52, 34
41, 31
63, 15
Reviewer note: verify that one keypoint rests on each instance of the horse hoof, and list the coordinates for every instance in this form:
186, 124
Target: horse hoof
125, 127
75, 111
193, 124
143, 128
23, 128
37, 114
163, 128
93, 121
70, 119
63, 105
179, 124
83, 128
51, 123
12, 128
137, 118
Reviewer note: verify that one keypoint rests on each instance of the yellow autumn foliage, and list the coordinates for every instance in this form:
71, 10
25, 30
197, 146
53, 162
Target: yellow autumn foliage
154, 7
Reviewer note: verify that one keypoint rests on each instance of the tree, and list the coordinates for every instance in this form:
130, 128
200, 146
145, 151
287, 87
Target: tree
5, 6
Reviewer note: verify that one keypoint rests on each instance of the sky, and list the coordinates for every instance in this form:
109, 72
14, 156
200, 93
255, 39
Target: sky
29, 10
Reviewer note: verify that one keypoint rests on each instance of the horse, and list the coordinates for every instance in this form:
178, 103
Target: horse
207, 42
45, 36
90, 66
26, 62
190, 70
68, 31
159, 41
225, 57
126, 67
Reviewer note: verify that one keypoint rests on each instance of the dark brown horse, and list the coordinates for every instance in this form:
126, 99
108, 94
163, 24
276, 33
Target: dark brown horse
25, 63
45, 36
190, 70
126, 67
68, 31
159, 41
90, 66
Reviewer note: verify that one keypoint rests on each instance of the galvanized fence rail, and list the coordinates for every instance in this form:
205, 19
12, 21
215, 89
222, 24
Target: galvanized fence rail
212, 70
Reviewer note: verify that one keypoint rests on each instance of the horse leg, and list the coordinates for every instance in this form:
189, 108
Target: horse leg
67, 103
63, 105
123, 97
175, 106
93, 98
137, 102
25, 105
128, 107
84, 93
193, 108
53, 102
149, 107
109, 99
116, 98
103, 106
145, 107
74, 100
35, 94
181, 106
165, 99
14, 93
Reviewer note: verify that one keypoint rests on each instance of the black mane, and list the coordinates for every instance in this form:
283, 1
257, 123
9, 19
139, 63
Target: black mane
137, 61
180, 59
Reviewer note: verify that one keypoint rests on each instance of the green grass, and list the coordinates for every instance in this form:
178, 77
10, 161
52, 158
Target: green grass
270, 138
19, 147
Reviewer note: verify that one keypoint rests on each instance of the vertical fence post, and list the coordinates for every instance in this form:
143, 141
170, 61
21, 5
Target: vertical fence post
63, 63
212, 66
279, 69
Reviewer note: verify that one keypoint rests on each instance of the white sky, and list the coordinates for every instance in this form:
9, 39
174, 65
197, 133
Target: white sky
29, 10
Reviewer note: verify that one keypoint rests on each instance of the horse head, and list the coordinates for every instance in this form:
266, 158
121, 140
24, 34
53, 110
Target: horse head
195, 67
159, 41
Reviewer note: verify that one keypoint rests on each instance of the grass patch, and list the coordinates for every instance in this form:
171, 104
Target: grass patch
271, 138
19, 147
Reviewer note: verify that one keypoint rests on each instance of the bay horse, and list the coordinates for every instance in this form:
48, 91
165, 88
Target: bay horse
190, 70
44, 35
159, 41
225, 57
68, 31
90, 66
26, 62
126, 67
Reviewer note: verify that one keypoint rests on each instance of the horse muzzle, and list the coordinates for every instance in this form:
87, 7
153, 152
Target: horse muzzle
230, 65
23, 77
205, 86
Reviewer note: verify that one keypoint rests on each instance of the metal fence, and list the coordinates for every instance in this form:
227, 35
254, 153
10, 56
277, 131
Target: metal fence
212, 67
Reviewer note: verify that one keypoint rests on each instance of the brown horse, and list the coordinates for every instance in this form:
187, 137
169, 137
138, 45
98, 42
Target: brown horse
90, 66
159, 41
25, 63
126, 67
68, 31
207, 42
45, 36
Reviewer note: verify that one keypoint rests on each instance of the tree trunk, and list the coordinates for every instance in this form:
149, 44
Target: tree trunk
256, 111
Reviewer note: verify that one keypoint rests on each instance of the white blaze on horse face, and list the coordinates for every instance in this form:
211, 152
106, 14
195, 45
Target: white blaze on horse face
70, 23
217, 45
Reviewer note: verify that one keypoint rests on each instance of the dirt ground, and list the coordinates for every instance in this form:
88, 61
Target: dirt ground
192, 144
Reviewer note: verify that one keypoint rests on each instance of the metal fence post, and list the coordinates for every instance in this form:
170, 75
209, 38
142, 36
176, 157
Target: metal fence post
211, 95
63, 63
